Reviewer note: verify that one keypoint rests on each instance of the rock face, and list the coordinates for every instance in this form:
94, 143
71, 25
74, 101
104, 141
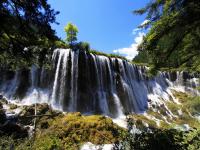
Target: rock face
92, 84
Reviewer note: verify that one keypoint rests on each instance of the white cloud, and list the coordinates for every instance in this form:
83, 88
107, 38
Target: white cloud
144, 22
135, 31
131, 51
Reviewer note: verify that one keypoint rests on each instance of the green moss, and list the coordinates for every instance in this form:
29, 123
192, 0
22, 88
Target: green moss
182, 97
197, 88
193, 105
139, 119
190, 105
173, 107
47, 142
164, 125
155, 114
12, 106
73, 129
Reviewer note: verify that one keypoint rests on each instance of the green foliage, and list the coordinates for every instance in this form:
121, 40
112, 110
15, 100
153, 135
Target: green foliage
174, 34
82, 46
107, 55
142, 57
167, 139
25, 25
71, 31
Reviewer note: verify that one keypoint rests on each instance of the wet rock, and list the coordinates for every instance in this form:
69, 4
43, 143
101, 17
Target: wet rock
173, 76
3, 100
24, 83
1, 105
1, 96
13, 106
153, 106
10, 128
2, 115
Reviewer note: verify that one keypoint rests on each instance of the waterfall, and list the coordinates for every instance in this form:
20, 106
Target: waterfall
59, 81
89, 83
74, 77
10, 86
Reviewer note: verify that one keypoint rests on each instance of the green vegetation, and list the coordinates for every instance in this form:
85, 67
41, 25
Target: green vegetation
71, 31
107, 55
26, 36
141, 120
169, 139
172, 41
55, 130
72, 130
188, 109
189, 103
164, 136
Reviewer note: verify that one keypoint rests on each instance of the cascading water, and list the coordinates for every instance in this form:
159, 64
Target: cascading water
74, 77
80, 81
59, 80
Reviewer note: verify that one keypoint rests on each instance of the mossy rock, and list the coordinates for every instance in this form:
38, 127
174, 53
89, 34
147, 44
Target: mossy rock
141, 120
27, 113
73, 129
13, 106
3, 101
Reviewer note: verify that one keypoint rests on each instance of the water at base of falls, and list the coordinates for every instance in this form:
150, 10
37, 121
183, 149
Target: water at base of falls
92, 84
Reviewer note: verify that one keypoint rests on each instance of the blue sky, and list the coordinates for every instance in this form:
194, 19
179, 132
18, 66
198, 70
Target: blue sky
106, 24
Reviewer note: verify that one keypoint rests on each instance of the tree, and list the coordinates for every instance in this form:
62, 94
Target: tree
174, 32
24, 24
83, 46
71, 31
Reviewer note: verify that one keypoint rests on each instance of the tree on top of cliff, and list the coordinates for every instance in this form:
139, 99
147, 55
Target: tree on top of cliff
71, 31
